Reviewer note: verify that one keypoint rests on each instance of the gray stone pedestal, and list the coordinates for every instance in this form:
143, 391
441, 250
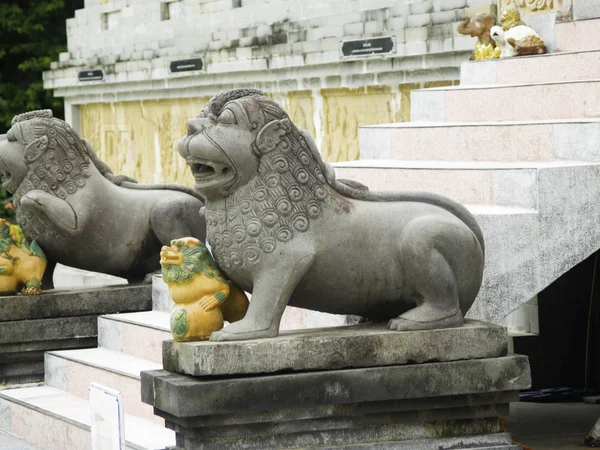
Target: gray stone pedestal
354, 387
57, 320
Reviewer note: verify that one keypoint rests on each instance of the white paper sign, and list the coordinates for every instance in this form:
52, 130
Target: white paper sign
108, 429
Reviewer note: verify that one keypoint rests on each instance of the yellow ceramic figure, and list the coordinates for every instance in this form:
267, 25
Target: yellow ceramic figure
485, 52
203, 297
22, 266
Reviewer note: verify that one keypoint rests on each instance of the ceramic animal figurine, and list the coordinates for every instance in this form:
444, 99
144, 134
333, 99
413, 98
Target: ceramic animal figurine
203, 297
511, 17
518, 41
479, 26
69, 201
280, 225
21, 266
485, 52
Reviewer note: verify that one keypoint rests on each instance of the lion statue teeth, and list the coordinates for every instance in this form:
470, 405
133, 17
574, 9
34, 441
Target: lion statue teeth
281, 226
22, 265
203, 297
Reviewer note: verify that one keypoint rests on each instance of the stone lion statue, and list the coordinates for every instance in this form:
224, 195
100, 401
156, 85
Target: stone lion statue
282, 227
203, 297
83, 216
22, 265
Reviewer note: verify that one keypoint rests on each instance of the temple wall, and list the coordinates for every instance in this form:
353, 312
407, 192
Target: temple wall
290, 49
139, 138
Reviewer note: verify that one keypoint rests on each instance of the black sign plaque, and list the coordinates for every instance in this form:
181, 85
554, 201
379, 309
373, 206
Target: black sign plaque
91, 75
186, 65
368, 47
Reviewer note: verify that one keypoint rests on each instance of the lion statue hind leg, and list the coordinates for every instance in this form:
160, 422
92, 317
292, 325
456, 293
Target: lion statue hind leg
236, 305
444, 257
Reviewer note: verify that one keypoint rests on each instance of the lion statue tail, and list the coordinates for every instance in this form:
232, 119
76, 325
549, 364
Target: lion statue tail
355, 190
162, 187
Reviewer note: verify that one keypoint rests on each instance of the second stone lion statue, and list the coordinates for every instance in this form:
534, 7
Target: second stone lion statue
79, 212
282, 227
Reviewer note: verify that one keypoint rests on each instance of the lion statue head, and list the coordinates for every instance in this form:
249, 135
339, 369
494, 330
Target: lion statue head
42, 152
263, 178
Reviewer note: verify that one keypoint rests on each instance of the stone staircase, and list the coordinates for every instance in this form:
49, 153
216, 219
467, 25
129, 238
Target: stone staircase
128, 343
517, 142
58, 412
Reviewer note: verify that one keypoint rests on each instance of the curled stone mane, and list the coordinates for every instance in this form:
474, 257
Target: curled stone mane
57, 159
289, 191
215, 105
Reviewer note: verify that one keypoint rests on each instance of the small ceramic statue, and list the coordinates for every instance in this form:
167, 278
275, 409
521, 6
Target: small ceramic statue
511, 17
515, 37
203, 297
280, 225
518, 41
70, 202
21, 266
479, 26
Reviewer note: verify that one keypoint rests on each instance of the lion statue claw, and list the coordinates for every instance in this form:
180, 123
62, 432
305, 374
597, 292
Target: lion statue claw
22, 265
281, 226
203, 297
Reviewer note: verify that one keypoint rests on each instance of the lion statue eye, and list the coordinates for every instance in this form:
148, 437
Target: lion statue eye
227, 117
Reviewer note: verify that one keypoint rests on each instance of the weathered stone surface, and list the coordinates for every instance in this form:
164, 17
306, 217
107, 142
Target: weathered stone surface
327, 438
347, 410
185, 396
367, 345
423, 403
76, 302
48, 329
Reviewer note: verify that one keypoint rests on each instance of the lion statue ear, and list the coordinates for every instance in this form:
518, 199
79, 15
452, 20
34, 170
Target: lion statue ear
270, 135
35, 149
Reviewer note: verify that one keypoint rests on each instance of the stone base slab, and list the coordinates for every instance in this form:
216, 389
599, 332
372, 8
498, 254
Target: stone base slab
354, 387
430, 406
366, 345
76, 302
57, 320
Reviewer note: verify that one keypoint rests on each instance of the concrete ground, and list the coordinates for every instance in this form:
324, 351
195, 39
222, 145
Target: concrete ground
551, 426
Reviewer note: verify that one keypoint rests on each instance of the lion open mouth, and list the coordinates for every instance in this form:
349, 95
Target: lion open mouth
201, 170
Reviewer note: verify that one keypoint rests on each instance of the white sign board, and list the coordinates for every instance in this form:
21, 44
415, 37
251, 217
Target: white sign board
108, 430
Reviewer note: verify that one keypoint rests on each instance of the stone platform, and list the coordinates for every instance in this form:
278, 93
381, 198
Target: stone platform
57, 320
353, 387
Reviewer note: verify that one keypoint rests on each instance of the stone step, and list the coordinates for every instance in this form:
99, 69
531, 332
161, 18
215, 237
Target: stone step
135, 334
514, 102
552, 67
52, 419
578, 36
490, 141
73, 371
491, 183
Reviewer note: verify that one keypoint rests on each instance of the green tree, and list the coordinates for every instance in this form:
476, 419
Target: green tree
32, 34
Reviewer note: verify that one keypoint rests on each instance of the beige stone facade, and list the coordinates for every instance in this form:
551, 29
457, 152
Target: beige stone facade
139, 138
